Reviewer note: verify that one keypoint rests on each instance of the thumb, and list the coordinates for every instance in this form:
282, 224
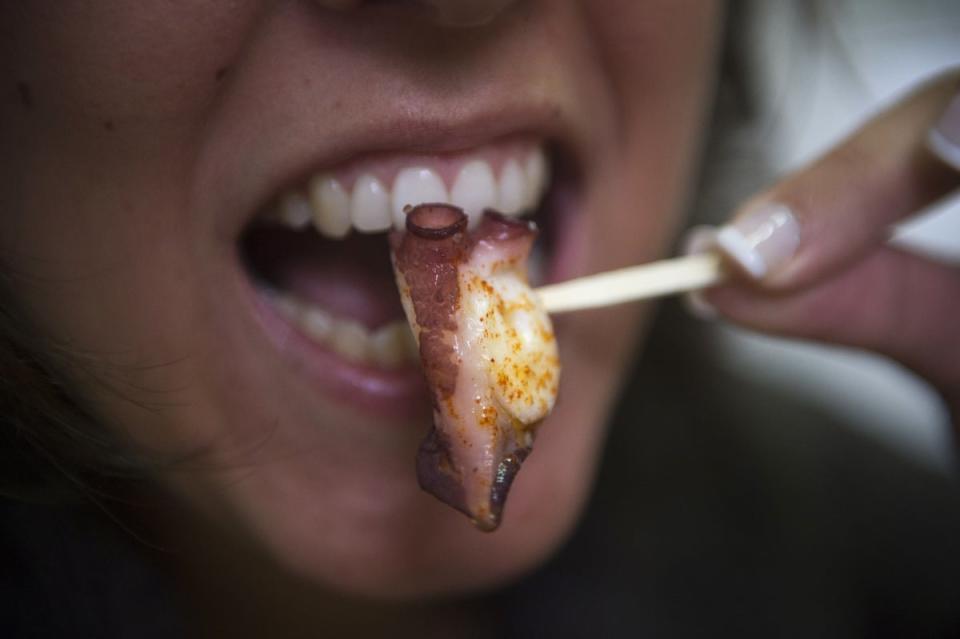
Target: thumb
813, 255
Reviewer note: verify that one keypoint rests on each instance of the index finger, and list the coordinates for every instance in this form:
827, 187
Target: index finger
824, 217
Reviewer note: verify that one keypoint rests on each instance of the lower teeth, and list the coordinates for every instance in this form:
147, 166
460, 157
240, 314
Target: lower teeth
390, 346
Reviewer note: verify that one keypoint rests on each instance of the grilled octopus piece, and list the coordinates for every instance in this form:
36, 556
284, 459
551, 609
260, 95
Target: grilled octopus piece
487, 348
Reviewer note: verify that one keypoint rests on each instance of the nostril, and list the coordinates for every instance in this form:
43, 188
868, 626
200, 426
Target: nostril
339, 4
467, 13
447, 13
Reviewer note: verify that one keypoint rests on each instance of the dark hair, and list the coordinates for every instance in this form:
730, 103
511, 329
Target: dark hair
51, 444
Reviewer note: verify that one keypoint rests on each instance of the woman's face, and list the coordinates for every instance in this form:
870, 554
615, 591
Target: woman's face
142, 140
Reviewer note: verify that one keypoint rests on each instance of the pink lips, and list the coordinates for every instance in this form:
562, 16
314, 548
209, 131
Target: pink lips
397, 394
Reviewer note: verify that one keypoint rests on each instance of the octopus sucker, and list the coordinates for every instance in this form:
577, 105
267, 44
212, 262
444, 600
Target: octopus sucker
487, 349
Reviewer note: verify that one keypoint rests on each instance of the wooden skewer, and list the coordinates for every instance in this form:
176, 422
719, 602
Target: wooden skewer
667, 277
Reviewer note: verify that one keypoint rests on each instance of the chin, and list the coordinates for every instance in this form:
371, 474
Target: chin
357, 524
426, 553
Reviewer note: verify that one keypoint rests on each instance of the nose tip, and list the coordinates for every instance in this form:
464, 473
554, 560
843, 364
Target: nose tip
466, 13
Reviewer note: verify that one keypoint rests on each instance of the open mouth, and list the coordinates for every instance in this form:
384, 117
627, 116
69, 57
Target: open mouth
318, 258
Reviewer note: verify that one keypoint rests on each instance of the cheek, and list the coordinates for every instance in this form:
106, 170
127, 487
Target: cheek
661, 56
144, 60
662, 60
100, 231
96, 171
97, 150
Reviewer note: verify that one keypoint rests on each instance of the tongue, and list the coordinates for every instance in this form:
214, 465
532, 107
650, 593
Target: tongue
349, 278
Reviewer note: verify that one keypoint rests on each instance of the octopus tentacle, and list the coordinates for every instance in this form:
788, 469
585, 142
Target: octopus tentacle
487, 349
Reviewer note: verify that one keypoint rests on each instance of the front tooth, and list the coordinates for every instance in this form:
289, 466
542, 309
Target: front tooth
474, 190
288, 307
536, 170
513, 189
350, 339
317, 324
369, 206
331, 206
295, 210
387, 345
412, 187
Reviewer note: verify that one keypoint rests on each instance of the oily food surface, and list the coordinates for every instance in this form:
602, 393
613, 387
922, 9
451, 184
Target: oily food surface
487, 348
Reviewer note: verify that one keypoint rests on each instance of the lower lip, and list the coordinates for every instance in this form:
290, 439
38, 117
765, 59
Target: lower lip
396, 394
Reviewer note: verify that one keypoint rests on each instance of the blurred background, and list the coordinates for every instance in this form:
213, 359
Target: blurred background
821, 68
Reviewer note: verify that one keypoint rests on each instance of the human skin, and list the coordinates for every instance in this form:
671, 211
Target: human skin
842, 283
139, 139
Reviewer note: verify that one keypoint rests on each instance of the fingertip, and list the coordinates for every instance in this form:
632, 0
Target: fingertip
761, 241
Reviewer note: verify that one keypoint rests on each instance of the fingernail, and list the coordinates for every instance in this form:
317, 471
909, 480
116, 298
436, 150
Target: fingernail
761, 241
944, 138
699, 239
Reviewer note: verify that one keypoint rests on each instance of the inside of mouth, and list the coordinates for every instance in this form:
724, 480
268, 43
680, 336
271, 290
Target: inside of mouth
349, 278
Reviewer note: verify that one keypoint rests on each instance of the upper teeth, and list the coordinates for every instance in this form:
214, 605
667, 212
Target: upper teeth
369, 206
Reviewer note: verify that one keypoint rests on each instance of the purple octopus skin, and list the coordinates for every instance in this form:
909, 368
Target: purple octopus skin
487, 349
